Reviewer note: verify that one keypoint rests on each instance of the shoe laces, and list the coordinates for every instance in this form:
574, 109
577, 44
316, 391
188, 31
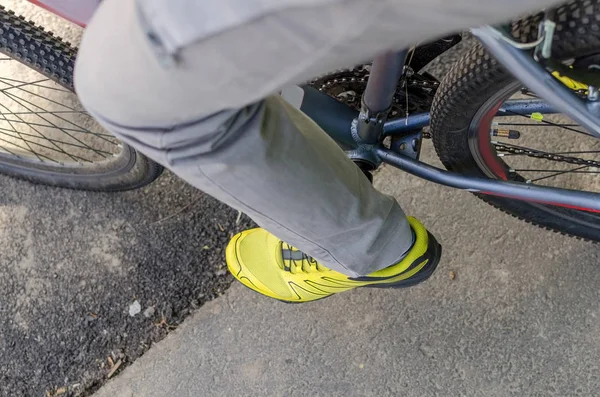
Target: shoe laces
296, 261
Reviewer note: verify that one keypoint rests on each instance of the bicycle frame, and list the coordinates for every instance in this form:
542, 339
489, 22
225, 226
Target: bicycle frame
361, 133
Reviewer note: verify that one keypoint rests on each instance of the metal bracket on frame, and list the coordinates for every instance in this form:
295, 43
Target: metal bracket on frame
408, 145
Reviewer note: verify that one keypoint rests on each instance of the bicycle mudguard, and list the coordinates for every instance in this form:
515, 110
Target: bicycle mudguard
76, 11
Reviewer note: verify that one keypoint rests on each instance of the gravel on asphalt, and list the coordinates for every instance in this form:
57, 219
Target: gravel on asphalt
74, 264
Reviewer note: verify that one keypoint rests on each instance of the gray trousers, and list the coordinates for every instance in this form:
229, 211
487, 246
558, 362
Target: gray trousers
191, 83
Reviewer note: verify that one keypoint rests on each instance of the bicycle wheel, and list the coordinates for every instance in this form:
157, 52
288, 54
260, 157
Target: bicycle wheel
472, 137
45, 134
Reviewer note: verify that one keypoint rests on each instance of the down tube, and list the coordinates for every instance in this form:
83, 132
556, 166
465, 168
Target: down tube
420, 120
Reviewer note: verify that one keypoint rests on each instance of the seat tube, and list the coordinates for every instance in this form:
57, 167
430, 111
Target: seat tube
377, 99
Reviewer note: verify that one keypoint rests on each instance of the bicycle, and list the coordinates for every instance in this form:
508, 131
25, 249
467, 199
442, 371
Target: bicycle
480, 117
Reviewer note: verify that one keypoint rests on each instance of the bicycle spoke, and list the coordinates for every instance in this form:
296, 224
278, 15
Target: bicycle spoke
46, 147
552, 124
557, 174
55, 126
535, 124
26, 149
43, 136
525, 148
80, 128
34, 94
525, 154
55, 140
570, 172
30, 148
23, 83
38, 138
21, 136
35, 83
43, 125
13, 153
56, 112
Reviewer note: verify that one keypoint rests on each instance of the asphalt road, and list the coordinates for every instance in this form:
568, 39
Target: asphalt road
72, 263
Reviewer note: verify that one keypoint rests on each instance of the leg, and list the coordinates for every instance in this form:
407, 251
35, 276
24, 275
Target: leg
267, 159
203, 115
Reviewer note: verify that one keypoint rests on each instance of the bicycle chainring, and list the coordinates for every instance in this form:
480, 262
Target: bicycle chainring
414, 94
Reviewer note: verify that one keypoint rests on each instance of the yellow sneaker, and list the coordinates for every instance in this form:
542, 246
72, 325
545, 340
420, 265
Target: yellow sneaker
273, 268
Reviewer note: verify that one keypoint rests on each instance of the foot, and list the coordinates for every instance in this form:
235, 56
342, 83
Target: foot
273, 268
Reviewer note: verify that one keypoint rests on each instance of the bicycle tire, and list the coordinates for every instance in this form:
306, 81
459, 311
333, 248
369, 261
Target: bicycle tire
477, 77
49, 55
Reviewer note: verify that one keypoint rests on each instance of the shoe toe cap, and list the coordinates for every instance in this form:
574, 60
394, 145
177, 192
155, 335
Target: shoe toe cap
251, 259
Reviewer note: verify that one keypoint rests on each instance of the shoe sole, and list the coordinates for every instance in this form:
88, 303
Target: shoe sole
435, 254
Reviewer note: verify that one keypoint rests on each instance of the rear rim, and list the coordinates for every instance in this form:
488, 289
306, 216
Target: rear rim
554, 135
43, 126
